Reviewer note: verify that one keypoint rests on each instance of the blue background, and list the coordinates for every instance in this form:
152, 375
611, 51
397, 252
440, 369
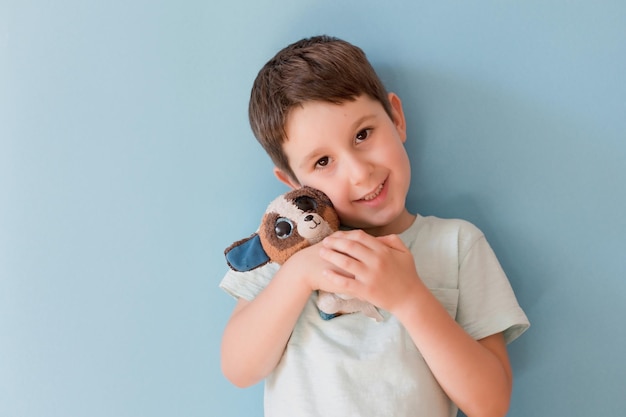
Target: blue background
127, 165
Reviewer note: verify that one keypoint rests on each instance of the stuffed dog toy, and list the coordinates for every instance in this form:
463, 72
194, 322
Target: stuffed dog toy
293, 221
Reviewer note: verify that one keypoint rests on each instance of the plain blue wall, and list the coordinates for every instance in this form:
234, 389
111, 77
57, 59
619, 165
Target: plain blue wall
127, 165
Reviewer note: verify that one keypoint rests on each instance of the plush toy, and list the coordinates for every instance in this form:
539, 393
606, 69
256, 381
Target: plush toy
293, 221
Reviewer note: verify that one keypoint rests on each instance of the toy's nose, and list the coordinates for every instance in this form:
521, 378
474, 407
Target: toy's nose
308, 218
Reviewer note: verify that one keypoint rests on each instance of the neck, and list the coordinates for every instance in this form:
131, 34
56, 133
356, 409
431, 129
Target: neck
399, 225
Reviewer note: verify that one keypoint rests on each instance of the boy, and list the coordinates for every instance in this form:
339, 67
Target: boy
324, 117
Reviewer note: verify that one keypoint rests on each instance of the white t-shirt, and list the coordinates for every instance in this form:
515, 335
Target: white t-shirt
352, 365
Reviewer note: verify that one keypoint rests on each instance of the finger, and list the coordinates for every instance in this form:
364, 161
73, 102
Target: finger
356, 235
340, 284
346, 262
392, 241
356, 245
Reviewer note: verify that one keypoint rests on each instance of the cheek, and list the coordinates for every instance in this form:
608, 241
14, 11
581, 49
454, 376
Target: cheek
335, 192
330, 186
342, 206
399, 160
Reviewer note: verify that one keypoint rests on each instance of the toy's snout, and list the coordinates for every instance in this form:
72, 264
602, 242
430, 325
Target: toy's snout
313, 227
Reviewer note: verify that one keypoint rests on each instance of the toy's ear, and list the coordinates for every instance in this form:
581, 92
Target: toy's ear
246, 254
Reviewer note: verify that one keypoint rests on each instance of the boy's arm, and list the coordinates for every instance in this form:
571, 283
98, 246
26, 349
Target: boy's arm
258, 330
476, 375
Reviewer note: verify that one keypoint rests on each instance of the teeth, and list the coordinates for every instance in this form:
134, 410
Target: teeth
374, 194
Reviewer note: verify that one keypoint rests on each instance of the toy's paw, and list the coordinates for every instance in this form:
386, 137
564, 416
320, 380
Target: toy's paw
331, 305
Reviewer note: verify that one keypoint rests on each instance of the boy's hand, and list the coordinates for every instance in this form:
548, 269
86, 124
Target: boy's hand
310, 267
380, 270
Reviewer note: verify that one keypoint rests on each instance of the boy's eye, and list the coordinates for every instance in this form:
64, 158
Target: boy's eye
322, 162
363, 134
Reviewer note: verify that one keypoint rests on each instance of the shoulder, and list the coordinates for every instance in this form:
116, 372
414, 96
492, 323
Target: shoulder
436, 229
439, 223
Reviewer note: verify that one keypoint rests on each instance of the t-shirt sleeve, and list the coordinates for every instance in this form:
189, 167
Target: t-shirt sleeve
249, 284
487, 304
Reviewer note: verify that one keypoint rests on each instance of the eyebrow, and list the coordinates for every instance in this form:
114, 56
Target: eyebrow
309, 157
362, 120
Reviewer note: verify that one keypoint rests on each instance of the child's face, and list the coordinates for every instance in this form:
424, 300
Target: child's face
354, 152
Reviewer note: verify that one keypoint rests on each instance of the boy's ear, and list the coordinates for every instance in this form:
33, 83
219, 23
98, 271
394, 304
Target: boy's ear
398, 115
286, 178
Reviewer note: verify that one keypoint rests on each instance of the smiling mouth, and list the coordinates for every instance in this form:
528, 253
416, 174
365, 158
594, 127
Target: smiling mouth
374, 193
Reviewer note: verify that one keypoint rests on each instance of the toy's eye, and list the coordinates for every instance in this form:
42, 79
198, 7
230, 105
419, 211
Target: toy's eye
283, 228
306, 203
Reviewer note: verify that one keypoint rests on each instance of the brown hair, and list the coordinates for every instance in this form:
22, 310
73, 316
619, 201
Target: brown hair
321, 68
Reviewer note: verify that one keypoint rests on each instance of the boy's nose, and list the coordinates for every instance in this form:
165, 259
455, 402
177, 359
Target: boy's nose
360, 170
